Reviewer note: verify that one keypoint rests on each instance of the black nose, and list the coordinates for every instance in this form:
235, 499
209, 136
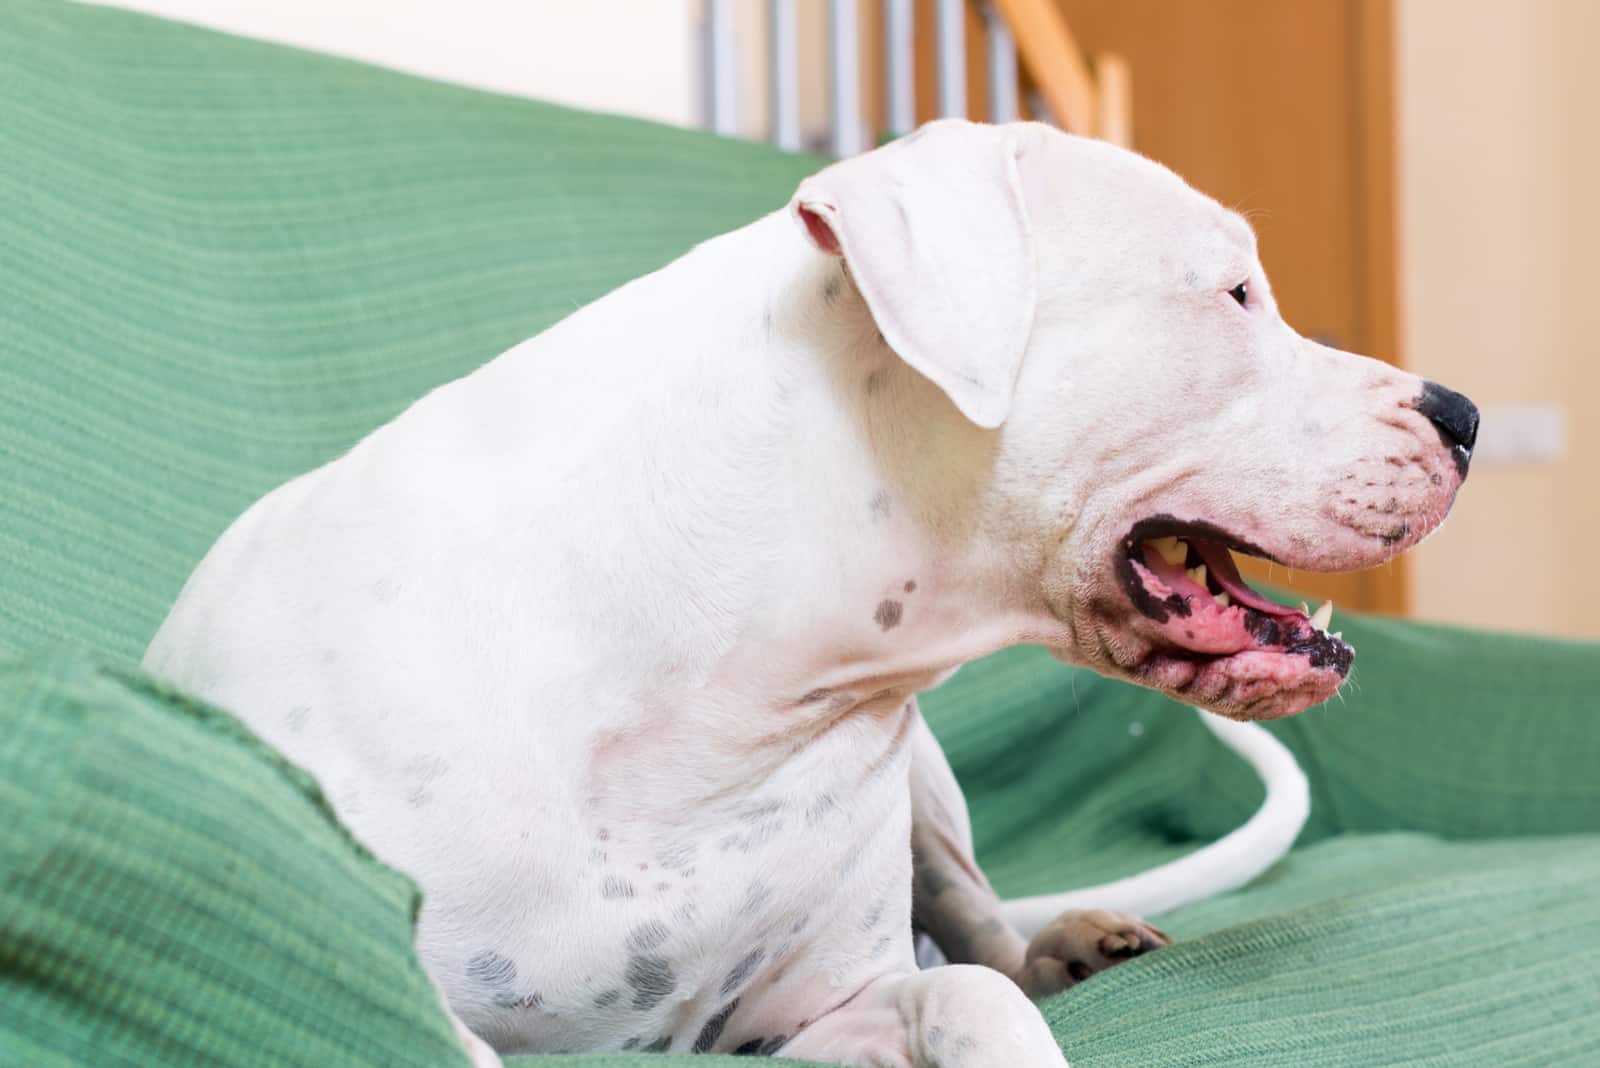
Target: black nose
1456, 419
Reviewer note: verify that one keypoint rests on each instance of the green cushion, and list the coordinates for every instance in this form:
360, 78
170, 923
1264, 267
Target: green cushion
172, 892
1440, 909
225, 261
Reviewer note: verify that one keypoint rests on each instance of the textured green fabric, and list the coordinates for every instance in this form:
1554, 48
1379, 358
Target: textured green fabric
172, 892
221, 262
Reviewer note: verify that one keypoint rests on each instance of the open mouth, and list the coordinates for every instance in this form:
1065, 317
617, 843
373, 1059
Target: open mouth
1217, 641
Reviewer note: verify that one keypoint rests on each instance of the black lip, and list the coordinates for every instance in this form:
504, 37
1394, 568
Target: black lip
1322, 650
1161, 526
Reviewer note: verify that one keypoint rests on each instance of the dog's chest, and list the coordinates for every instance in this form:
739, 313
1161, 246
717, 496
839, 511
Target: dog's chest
719, 929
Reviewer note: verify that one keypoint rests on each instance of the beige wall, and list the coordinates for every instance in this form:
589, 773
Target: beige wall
638, 57
1499, 130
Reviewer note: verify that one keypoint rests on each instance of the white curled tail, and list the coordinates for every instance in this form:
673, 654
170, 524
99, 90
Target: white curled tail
1226, 864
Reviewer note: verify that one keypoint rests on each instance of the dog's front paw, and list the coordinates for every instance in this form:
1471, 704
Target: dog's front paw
1076, 945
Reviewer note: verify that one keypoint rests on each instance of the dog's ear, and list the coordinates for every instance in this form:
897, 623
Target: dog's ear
935, 232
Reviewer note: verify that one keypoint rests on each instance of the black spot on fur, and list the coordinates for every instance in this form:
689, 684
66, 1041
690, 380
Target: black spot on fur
678, 856
498, 973
647, 936
659, 1045
761, 1047
820, 808
887, 615
608, 999
742, 971
755, 813
713, 1029
931, 882
492, 969
911, 586
755, 898
651, 978
831, 288
882, 505
613, 888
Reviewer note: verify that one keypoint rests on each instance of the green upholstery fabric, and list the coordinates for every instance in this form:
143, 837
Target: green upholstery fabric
222, 262
172, 892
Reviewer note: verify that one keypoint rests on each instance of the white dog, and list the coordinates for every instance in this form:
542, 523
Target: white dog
614, 644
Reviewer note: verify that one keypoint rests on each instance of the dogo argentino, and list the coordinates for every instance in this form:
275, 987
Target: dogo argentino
614, 644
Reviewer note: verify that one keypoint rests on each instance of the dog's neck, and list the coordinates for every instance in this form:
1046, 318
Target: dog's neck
891, 571
827, 524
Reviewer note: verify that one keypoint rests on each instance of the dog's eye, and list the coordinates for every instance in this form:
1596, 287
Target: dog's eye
1240, 293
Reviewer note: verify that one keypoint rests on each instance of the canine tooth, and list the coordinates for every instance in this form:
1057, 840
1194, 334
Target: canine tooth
1305, 609
1224, 600
1197, 575
1323, 617
1171, 549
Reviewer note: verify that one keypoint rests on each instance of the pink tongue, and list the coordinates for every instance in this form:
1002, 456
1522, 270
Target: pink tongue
1220, 566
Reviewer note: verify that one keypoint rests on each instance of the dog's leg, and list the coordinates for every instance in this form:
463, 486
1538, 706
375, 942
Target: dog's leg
954, 903
479, 1053
957, 1016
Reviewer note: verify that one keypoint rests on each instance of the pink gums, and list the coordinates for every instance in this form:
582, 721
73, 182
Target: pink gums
1267, 660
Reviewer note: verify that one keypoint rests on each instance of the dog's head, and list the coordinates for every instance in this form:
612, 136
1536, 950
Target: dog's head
1110, 338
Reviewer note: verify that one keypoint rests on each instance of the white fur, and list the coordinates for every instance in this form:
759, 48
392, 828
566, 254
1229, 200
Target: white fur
619, 631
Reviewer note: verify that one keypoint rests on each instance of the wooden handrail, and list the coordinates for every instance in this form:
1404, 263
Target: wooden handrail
1094, 101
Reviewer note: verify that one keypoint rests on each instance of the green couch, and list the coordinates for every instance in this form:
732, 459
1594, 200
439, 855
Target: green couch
222, 262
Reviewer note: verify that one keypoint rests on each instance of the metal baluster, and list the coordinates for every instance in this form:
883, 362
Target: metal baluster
897, 66
952, 47
844, 70
1002, 67
722, 110
781, 38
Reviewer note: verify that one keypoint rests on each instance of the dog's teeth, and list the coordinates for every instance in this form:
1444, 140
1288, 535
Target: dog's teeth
1305, 609
1224, 600
1197, 575
1323, 617
1172, 550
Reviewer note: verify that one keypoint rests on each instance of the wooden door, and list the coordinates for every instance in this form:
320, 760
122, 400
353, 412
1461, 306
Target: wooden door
1281, 110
